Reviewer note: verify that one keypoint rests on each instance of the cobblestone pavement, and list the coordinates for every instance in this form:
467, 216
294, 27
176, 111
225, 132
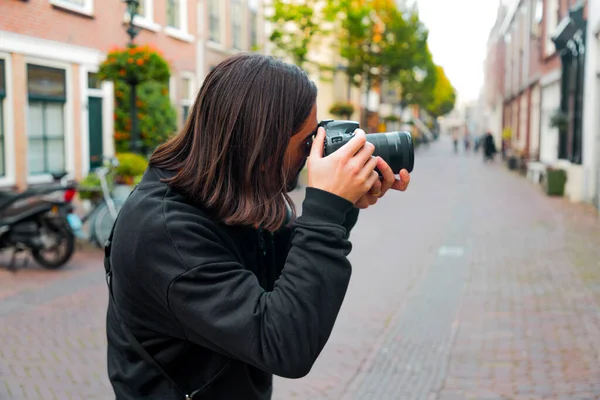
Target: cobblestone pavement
471, 285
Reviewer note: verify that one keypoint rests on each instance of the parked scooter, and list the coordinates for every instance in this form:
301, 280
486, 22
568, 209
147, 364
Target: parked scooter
36, 220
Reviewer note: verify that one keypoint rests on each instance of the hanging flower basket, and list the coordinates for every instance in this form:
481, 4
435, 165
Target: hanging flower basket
134, 64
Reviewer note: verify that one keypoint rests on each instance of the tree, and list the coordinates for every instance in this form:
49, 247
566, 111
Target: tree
418, 84
296, 25
376, 40
444, 95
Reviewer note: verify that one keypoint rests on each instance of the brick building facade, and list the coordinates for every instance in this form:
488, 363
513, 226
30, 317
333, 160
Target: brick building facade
55, 113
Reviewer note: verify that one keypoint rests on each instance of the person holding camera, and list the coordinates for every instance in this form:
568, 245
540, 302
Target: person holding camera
215, 284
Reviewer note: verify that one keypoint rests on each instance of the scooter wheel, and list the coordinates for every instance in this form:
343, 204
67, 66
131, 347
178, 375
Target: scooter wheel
55, 260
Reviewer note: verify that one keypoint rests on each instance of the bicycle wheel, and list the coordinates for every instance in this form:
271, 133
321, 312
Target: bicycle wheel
103, 222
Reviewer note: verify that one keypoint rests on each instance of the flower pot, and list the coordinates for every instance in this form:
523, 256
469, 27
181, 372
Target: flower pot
554, 182
512, 162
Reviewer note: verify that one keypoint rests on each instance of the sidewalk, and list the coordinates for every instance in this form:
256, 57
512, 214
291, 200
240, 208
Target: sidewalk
471, 285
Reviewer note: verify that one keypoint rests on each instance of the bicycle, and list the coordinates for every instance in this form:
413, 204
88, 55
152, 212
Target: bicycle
104, 210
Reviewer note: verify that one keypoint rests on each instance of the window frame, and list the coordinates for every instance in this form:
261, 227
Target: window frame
146, 20
68, 115
187, 103
7, 122
181, 32
86, 9
215, 15
3, 118
237, 24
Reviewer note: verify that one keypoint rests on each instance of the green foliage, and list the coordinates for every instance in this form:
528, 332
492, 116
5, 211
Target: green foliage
444, 95
418, 83
89, 187
377, 40
342, 110
134, 64
295, 27
559, 120
137, 179
157, 118
130, 166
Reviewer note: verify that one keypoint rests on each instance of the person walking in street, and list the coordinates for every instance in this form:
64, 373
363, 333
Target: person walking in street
489, 147
215, 284
467, 141
455, 140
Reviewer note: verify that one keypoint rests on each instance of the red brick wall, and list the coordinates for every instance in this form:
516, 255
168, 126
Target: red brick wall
104, 30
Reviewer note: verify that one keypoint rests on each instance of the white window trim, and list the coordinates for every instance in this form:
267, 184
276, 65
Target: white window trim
145, 21
107, 94
68, 120
86, 9
9, 178
244, 32
182, 32
192, 89
552, 21
47, 49
220, 45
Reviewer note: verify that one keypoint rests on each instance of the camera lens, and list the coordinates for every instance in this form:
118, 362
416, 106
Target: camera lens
396, 148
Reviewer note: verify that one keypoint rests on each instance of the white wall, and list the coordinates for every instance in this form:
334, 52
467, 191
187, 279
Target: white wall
534, 123
550, 102
591, 107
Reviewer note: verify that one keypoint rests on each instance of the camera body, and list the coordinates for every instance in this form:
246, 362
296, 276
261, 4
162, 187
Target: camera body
396, 148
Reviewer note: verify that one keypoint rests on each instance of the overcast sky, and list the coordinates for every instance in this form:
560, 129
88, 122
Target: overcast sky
458, 31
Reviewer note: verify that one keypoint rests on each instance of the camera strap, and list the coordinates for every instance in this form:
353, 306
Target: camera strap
139, 349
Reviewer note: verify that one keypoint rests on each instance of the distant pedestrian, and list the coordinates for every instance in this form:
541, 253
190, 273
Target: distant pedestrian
455, 141
489, 147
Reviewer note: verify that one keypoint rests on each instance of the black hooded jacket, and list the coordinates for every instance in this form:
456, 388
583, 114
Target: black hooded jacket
221, 308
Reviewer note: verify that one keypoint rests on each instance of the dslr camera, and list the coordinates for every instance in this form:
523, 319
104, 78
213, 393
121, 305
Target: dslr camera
396, 148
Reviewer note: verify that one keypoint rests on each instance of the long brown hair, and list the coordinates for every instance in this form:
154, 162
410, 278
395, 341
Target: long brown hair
229, 156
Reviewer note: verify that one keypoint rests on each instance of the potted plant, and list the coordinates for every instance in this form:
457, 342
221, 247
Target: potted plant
559, 120
130, 167
89, 188
342, 110
554, 181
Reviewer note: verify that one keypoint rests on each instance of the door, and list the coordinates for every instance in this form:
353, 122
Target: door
95, 131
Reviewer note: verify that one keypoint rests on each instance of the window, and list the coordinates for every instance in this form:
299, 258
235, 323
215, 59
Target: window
187, 96
144, 17
2, 97
46, 89
552, 20
142, 9
236, 24
93, 81
253, 7
173, 14
79, 6
214, 23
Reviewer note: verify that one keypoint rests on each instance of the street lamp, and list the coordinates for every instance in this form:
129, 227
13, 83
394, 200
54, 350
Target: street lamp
132, 9
132, 31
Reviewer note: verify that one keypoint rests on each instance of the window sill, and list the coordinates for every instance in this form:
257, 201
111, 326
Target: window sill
145, 23
7, 182
219, 47
85, 10
39, 178
179, 34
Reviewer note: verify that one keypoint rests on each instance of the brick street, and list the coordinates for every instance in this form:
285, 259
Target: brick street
473, 284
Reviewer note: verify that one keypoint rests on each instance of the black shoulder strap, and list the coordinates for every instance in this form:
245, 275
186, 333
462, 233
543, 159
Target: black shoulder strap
139, 349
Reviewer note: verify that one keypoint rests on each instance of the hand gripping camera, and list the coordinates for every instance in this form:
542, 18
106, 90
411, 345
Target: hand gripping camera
396, 148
